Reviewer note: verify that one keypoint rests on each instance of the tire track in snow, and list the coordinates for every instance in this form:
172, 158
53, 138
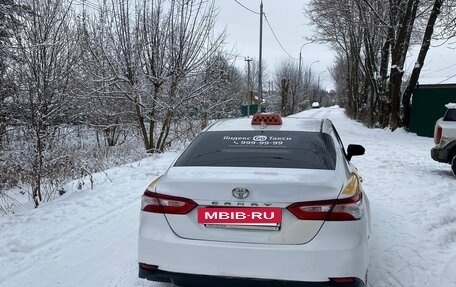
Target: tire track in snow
66, 239
93, 209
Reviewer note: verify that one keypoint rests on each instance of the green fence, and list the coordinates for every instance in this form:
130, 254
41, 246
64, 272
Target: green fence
249, 110
428, 105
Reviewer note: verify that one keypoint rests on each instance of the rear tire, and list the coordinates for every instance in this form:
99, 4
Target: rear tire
453, 165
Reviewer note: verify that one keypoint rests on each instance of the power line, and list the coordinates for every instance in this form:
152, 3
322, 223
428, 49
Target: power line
270, 27
277, 39
425, 73
87, 4
442, 69
247, 8
449, 78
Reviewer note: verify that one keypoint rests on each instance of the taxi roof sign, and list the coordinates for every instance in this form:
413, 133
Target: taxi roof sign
266, 119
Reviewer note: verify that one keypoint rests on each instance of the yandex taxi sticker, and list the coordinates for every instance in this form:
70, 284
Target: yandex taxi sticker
239, 215
258, 141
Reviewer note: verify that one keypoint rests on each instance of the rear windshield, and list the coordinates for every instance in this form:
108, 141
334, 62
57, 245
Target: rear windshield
281, 149
450, 115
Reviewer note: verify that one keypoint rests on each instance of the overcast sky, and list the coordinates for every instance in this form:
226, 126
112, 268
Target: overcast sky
291, 26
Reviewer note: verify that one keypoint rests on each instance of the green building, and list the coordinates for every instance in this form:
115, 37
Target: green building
428, 105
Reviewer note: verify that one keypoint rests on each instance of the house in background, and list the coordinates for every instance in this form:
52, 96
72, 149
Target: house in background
428, 105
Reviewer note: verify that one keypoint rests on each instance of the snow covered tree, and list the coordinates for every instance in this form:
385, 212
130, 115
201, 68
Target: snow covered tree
372, 39
426, 43
111, 70
47, 52
152, 49
192, 43
295, 88
10, 11
222, 93
288, 80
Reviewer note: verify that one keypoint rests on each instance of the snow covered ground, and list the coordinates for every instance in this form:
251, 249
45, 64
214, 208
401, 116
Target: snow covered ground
88, 237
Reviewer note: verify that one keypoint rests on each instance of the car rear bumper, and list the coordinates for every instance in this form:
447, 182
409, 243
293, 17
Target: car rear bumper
192, 280
339, 250
440, 155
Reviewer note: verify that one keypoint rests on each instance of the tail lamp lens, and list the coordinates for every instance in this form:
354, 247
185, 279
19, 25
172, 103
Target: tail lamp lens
148, 266
162, 203
342, 280
438, 135
348, 207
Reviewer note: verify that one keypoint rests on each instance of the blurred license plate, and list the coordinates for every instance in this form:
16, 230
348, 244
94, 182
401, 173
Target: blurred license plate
267, 216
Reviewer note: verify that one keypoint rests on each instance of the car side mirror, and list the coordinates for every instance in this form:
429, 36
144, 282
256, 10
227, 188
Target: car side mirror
354, 149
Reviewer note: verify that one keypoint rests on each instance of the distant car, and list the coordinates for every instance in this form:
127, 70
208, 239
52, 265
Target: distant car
315, 105
260, 202
445, 138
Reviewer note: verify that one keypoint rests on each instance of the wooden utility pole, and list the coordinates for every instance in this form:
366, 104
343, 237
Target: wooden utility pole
249, 86
249, 79
260, 70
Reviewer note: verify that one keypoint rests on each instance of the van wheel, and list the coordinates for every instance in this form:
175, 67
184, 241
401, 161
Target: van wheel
453, 165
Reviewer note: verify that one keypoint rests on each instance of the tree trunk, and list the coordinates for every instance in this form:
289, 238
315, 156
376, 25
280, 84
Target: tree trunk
2, 132
395, 92
399, 52
420, 60
142, 126
153, 113
161, 142
37, 168
284, 96
381, 110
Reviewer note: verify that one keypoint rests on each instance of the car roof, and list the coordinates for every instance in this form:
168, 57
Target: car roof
451, 106
288, 124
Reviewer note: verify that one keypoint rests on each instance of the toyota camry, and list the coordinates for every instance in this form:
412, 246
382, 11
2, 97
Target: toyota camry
265, 201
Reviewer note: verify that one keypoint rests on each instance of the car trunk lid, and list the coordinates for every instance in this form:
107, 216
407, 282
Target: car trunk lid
212, 187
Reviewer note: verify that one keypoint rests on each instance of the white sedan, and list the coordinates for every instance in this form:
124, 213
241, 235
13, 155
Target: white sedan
263, 201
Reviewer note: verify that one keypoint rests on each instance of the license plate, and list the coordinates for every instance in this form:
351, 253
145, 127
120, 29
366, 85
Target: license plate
265, 227
267, 216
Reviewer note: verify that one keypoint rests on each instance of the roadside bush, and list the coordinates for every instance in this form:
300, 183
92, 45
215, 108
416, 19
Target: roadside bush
73, 153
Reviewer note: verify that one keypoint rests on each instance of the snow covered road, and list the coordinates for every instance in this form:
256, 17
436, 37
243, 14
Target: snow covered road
413, 202
88, 237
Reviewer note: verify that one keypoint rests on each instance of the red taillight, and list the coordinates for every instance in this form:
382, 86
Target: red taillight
342, 280
331, 210
161, 203
148, 266
438, 135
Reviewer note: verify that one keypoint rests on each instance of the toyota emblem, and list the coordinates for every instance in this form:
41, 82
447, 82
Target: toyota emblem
240, 192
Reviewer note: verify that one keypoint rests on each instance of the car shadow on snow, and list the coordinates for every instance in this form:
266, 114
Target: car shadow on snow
444, 173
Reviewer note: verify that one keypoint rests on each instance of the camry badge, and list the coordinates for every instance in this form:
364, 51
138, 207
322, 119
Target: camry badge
240, 192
